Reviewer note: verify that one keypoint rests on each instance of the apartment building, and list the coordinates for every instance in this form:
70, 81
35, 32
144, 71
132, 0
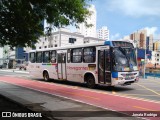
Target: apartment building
63, 37
142, 39
89, 31
103, 33
156, 46
155, 57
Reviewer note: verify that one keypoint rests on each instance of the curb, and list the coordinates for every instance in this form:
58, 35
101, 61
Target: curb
16, 71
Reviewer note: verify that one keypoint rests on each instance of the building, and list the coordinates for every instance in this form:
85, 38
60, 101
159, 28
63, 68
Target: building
59, 38
10, 57
142, 39
156, 46
89, 31
144, 44
155, 57
63, 37
92, 40
103, 33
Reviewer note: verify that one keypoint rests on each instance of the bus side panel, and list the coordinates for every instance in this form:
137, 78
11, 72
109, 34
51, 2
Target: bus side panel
75, 72
35, 70
51, 69
92, 69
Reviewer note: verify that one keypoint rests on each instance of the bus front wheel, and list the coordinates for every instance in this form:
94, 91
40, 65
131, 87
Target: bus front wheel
90, 81
46, 76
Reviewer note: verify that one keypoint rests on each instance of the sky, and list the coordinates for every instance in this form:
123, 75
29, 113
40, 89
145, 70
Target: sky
123, 17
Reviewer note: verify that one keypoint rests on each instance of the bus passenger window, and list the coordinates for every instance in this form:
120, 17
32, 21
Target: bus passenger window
46, 58
89, 55
76, 55
32, 57
39, 57
53, 56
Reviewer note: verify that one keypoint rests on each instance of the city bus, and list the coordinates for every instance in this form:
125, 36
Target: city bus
107, 63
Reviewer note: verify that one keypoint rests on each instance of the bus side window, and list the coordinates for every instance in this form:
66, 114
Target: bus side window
76, 55
46, 58
32, 57
89, 55
53, 57
39, 57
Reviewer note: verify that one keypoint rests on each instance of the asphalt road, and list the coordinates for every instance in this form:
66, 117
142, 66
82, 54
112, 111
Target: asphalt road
145, 89
39, 101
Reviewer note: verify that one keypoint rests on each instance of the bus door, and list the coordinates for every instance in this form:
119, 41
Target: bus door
104, 66
61, 66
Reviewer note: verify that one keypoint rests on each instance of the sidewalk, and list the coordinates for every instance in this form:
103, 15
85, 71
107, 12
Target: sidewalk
10, 106
148, 78
14, 70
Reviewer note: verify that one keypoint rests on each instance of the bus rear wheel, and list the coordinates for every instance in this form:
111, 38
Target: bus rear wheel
46, 76
91, 82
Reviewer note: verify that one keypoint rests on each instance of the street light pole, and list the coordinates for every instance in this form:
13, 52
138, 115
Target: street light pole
144, 63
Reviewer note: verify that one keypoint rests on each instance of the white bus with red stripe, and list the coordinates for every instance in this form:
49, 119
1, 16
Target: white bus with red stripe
108, 63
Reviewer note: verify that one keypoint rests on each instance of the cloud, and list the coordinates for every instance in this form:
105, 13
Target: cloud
154, 31
151, 30
135, 8
115, 36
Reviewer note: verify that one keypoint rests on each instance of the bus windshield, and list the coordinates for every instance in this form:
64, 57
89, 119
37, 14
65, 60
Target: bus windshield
124, 59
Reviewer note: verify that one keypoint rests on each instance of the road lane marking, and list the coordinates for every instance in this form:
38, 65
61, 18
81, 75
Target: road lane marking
148, 89
143, 108
139, 95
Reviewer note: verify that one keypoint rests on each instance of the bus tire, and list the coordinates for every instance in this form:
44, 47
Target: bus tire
46, 76
90, 81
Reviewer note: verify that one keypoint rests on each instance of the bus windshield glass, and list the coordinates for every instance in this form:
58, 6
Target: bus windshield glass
124, 59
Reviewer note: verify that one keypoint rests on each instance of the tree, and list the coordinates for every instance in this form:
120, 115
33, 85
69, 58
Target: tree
20, 23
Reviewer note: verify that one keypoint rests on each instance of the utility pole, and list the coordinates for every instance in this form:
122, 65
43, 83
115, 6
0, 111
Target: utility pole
144, 63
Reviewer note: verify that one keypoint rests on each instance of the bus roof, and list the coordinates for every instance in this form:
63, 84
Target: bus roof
71, 46
107, 42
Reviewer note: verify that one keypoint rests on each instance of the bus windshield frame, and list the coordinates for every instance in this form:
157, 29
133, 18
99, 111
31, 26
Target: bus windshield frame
124, 59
